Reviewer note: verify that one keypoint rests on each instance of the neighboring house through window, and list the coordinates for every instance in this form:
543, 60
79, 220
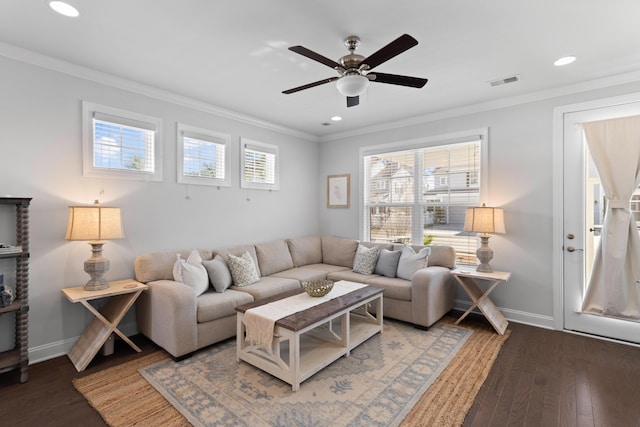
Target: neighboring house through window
202, 156
121, 144
417, 192
259, 165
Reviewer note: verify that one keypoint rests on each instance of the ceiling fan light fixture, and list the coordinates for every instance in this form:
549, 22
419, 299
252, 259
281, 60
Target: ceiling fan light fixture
352, 84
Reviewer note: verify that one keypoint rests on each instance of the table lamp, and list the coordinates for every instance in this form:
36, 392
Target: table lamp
96, 224
484, 220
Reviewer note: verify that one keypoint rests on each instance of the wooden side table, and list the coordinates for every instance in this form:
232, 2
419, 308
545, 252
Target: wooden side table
469, 282
122, 294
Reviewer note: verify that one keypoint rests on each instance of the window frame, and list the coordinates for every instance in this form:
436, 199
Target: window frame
246, 143
208, 136
417, 205
125, 118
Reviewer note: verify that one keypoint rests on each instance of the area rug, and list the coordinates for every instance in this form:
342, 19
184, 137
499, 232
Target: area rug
124, 398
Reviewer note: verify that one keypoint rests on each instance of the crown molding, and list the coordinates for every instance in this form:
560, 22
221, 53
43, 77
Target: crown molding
605, 82
44, 61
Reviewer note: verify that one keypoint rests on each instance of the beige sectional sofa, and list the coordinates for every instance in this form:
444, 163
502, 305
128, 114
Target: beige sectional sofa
172, 316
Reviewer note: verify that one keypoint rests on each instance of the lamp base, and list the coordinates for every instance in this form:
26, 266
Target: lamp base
95, 267
484, 254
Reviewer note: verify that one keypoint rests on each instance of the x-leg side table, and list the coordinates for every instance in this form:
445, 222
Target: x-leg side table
122, 294
469, 282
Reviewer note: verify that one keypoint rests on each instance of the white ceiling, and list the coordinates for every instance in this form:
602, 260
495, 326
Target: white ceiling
233, 54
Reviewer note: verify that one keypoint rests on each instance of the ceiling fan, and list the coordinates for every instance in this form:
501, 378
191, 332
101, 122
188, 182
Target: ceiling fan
355, 70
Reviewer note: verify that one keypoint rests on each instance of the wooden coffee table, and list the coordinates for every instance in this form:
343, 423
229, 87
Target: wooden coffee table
309, 340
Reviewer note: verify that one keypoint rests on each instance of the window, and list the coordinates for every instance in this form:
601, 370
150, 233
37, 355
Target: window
418, 193
260, 164
120, 144
202, 156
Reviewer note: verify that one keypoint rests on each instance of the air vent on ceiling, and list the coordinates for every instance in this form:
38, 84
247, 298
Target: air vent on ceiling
504, 81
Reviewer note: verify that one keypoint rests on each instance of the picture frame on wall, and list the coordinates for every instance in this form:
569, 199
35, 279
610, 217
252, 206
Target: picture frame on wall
338, 190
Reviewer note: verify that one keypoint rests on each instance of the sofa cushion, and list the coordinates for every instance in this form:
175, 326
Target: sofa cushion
191, 272
219, 274
243, 269
238, 251
387, 264
303, 274
305, 250
351, 276
338, 251
327, 268
213, 305
395, 288
410, 262
159, 265
365, 261
381, 245
273, 257
268, 286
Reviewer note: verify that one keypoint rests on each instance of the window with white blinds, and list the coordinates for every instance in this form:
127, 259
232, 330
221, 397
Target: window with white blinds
202, 156
259, 165
419, 194
120, 144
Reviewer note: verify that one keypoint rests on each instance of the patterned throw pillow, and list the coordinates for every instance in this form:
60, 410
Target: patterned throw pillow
410, 262
365, 261
243, 270
191, 272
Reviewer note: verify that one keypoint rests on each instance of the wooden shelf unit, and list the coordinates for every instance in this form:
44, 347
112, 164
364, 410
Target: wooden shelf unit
18, 357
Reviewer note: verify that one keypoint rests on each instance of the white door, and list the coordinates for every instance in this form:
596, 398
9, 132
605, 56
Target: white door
582, 215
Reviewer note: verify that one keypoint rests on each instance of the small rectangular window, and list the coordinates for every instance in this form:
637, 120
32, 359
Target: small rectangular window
202, 156
120, 144
259, 169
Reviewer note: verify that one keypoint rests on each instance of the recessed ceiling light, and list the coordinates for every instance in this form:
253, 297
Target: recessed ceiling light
64, 8
565, 60
336, 118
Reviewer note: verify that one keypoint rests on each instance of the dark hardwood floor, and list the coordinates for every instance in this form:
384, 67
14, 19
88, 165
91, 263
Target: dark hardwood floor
540, 378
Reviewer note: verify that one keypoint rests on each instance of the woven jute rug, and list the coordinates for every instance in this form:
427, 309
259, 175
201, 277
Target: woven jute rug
124, 398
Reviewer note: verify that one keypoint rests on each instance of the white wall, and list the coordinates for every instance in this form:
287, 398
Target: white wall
40, 157
520, 181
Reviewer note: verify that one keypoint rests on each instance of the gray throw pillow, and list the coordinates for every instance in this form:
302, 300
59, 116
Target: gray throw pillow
219, 274
365, 261
388, 263
410, 262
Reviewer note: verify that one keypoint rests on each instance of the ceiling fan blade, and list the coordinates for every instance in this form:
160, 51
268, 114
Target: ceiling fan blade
315, 56
310, 85
395, 79
352, 101
396, 47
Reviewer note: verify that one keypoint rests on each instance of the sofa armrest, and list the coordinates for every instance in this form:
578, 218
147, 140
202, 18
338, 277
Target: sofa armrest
166, 314
432, 295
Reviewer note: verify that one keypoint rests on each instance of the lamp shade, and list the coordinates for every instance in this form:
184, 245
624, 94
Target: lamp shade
484, 220
352, 84
94, 223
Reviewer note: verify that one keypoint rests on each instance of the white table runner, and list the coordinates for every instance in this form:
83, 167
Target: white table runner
260, 321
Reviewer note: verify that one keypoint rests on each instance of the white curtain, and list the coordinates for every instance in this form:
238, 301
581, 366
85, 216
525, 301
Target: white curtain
613, 289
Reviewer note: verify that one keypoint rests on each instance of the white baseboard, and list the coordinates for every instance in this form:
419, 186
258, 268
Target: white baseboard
48, 351
532, 319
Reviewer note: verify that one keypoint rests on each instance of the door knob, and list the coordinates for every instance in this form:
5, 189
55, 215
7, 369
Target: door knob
572, 249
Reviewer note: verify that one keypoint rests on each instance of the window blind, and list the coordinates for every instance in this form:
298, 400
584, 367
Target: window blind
419, 195
122, 146
203, 156
259, 164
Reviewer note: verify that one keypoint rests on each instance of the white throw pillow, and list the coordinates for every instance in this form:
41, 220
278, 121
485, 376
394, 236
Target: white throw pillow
410, 262
191, 272
365, 261
243, 270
